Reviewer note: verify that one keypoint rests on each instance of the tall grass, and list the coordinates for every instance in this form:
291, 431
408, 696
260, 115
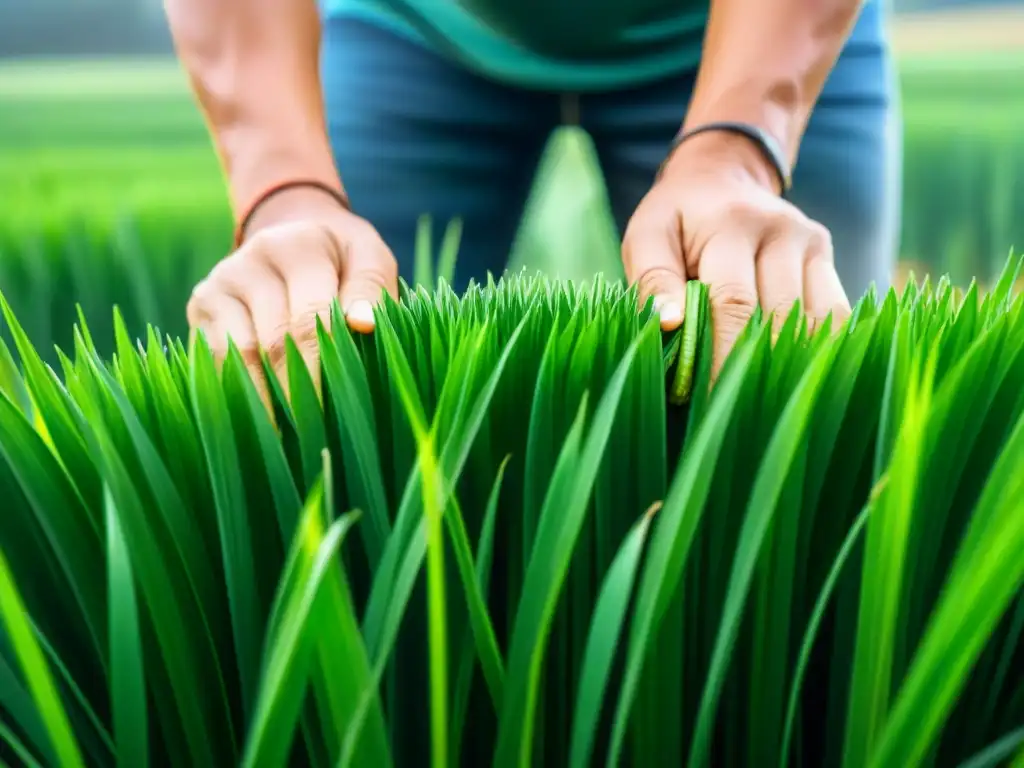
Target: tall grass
542, 561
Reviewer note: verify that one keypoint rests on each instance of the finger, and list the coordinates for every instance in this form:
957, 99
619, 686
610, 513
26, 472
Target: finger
253, 280
368, 270
780, 276
313, 286
653, 259
226, 319
824, 291
727, 267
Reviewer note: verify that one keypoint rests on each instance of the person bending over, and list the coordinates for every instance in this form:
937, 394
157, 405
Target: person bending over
338, 126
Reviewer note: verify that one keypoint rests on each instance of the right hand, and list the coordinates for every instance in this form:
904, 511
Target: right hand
302, 250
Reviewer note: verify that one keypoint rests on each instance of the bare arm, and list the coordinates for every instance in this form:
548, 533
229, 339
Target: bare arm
715, 214
765, 62
253, 65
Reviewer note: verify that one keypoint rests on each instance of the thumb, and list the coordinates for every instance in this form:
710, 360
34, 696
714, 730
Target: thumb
654, 262
366, 276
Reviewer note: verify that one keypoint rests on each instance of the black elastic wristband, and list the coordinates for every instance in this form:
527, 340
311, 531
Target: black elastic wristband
761, 138
340, 197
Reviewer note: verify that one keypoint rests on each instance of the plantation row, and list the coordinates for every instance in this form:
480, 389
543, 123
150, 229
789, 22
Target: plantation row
542, 562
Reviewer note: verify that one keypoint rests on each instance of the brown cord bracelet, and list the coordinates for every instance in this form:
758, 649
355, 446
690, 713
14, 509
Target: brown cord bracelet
337, 194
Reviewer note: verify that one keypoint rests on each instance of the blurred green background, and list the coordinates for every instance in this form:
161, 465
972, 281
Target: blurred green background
110, 192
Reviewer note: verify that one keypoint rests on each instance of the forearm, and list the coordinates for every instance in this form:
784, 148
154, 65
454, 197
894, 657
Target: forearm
766, 61
253, 65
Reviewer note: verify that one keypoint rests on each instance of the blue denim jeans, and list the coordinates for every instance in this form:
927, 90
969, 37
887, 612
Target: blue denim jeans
414, 133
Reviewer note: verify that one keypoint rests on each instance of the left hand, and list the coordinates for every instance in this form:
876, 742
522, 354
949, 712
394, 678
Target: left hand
715, 215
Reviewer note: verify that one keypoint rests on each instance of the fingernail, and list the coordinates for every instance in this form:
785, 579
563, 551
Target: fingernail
361, 312
669, 311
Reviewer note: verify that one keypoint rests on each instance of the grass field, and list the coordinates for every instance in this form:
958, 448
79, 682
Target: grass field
111, 158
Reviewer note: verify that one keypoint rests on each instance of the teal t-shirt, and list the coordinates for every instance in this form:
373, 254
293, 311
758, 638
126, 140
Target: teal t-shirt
560, 45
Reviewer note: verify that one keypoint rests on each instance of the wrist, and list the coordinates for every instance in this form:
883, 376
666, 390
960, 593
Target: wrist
256, 163
737, 155
301, 202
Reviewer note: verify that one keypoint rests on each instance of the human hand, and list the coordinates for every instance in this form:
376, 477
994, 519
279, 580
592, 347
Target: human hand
302, 251
715, 215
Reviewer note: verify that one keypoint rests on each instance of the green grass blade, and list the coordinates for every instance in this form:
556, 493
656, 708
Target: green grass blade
127, 674
491, 663
883, 573
998, 753
434, 504
561, 520
449, 251
788, 436
214, 422
18, 748
345, 383
603, 640
674, 533
471, 642
37, 674
817, 614
982, 585
286, 671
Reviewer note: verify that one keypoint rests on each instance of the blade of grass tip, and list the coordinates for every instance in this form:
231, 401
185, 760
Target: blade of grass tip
84, 328
180, 523
449, 251
308, 413
37, 674
603, 639
286, 424
764, 498
285, 675
811, 634
423, 258
674, 533
74, 544
998, 753
53, 418
287, 502
464, 677
177, 427
131, 372
561, 520
12, 383
345, 382
127, 674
